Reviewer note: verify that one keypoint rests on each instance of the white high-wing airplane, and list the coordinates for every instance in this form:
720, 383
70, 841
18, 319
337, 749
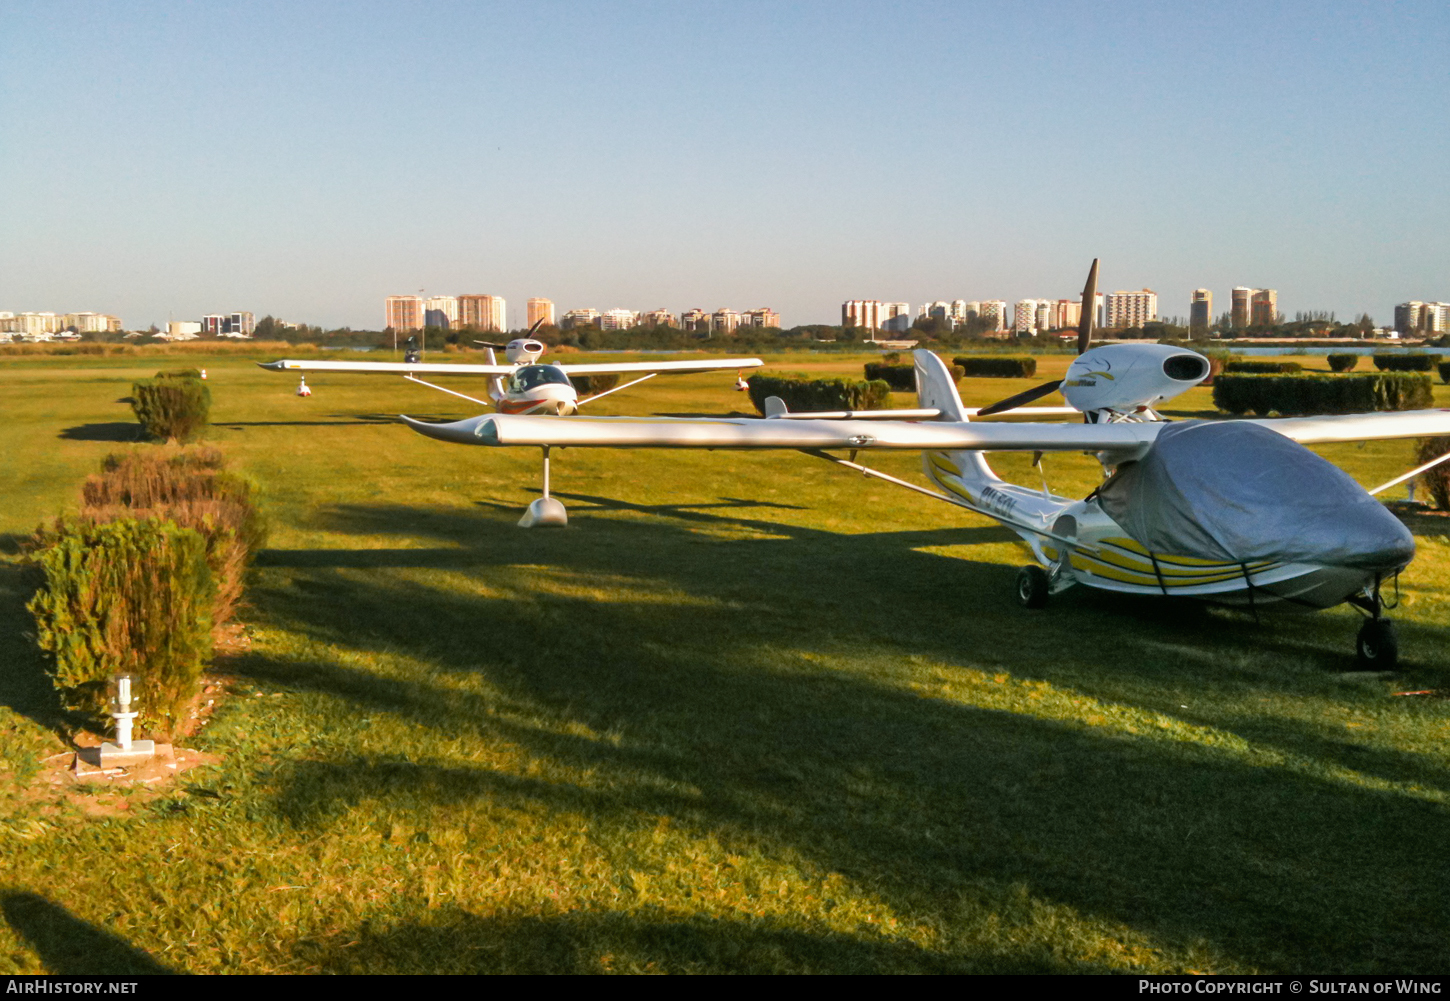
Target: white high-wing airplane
1231, 511
524, 385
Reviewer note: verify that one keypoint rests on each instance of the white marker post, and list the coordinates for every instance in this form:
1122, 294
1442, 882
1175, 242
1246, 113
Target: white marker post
125, 751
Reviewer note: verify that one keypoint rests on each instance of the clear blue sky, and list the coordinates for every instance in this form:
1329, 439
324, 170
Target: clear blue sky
307, 159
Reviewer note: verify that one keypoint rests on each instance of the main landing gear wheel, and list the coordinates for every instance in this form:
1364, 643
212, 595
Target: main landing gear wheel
1032, 587
1376, 648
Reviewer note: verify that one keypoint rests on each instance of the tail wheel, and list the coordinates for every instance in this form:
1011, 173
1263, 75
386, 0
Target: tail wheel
1032, 587
1377, 648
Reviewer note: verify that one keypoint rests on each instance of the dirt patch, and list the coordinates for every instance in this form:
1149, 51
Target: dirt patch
71, 777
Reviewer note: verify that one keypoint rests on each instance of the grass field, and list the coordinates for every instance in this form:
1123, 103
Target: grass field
746, 713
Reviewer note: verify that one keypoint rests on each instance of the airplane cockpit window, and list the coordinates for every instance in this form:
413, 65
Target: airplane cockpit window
532, 376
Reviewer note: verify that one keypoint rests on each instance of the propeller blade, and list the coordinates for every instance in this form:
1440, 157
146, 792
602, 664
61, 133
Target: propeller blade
535, 328
1089, 309
1021, 399
490, 344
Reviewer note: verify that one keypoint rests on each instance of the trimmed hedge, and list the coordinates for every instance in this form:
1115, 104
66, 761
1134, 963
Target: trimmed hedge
1001, 366
1436, 480
901, 378
803, 394
172, 407
192, 489
1256, 366
1406, 363
1444, 369
125, 597
1343, 362
1311, 393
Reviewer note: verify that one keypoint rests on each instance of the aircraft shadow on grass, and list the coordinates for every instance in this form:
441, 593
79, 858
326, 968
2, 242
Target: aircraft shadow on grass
117, 431
942, 809
69, 946
335, 420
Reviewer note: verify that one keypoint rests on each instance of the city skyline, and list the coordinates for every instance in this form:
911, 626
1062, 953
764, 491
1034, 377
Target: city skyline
274, 185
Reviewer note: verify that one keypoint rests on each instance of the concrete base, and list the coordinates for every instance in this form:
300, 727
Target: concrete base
112, 756
546, 511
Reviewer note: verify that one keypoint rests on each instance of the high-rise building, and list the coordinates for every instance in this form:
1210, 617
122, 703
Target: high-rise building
1024, 316
862, 313
994, 311
441, 311
1200, 309
1264, 307
724, 321
483, 312
541, 309
580, 318
895, 316
241, 324
695, 319
617, 319
1131, 309
404, 312
91, 323
1416, 317
658, 318
760, 318
1069, 314
1240, 303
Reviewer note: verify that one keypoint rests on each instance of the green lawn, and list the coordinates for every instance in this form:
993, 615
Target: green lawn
748, 712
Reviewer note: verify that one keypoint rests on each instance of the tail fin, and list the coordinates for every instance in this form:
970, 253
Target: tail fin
935, 386
962, 473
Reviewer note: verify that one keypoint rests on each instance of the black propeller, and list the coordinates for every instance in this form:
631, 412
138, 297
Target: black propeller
500, 347
1084, 338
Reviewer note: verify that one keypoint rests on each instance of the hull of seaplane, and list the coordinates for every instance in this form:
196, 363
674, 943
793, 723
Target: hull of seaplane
1080, 544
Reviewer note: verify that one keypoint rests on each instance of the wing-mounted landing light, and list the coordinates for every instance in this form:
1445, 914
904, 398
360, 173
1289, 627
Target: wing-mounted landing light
1084, 338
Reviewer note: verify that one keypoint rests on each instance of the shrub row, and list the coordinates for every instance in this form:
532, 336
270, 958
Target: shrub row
1004, 366
1342, 362
140, 580
1255, 366
802, 393
174, 406
1406, 363
1295, 395
1444, 369
901, 378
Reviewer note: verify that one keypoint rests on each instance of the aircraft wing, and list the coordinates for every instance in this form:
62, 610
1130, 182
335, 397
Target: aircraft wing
662, 367
1361, 427
753, 432
390, 367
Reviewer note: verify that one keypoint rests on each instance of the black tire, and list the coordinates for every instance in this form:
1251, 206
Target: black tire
1376, 648
1032, 587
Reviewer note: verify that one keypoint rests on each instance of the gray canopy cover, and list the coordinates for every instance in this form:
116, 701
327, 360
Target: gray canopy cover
1237, 492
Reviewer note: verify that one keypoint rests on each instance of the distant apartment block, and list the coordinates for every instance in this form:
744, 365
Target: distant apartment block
617, 319
1131, 309
239, 324
1415, 317
1264, 307
580, 318
403, 312
760, 318
695, 319
441, 311
1240, 302
483, 312
863, 313
658, 318
895, 316
994, 312
724, 321
1025, 316
541, 311
1200, 309
1069, 314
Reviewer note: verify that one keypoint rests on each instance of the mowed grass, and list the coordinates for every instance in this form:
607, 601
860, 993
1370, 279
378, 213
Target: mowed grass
748, 712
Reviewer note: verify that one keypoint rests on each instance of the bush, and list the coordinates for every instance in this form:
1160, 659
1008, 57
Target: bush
1437, 480
1406, 363
1217, 359
1444, 369
1310, 393
1259, 366
803, 394
179, 373
1003, 366
1343, 362
899, 377
192, 489
172, 407
125, 597
589, 385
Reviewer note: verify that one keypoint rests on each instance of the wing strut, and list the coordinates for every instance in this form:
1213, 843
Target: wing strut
597, 396
1411, 474
413, 378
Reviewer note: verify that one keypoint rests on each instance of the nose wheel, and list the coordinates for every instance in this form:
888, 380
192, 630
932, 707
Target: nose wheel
1033, 586
1377, 648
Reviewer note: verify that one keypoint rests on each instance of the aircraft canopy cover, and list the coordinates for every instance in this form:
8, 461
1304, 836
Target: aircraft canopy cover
1237, 492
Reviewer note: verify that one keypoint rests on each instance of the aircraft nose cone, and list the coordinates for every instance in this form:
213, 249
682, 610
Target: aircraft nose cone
1372, 538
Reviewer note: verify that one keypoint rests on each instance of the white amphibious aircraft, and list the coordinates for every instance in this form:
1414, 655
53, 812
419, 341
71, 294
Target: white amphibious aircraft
524, 385
1232, 511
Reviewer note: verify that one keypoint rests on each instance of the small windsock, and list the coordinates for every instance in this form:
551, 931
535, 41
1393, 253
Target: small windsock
303, 389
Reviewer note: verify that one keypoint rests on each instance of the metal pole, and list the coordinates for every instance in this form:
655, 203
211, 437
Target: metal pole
546, 472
